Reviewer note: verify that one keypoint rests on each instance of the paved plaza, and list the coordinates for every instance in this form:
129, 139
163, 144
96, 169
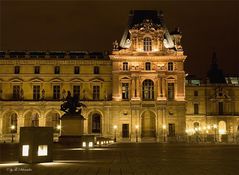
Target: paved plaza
129, 158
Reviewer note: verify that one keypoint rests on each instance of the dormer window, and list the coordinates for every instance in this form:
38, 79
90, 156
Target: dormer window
170, 66
125, 66
147, 44
147, 66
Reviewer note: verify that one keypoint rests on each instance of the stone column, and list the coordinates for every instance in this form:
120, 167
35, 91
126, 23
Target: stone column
133, 88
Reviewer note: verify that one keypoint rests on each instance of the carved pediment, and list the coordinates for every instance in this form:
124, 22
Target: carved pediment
97, 80
56, 80
147, 26
221, 94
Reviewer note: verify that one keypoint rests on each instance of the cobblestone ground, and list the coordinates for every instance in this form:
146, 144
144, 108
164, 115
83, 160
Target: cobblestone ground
129, 158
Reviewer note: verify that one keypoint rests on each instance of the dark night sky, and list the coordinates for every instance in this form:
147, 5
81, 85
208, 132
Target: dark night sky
94, 25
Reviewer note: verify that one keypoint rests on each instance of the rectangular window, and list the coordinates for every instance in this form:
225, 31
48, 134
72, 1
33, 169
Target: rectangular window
96, 70
147, 66
125, 91
171, 129
42, 150
195, 93
171, 91
36, 92
125, 66
77, 70
56, 92
96, 92
37, 69
125, 130
196, 108
16, 92
220, 108
57, 69
17, 69
25, 150
170, 66
76, 91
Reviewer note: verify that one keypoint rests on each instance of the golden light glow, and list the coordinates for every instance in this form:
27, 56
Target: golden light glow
25, 150
222, 131
215, 126
13, 127
115, 126
164, 126
58, 127
83, 144
137, 126
42, 150
90, 144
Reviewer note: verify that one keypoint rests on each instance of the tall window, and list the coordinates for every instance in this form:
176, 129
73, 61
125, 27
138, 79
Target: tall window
195, 93
170, 66
14, 122
76, 91
125, 66
57, 69
147, 44
220, 108
56, 92
96, 123
196, 108
170, 91
16, 92
148, 90
36, 92
17, 70
36, 69
171, 129
76, 70
147, 66
125, 91
96, 92
96, 70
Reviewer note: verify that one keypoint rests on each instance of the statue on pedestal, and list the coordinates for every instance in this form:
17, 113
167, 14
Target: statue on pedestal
72, 105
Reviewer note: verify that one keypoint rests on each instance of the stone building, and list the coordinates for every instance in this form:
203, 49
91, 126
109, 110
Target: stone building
137, 92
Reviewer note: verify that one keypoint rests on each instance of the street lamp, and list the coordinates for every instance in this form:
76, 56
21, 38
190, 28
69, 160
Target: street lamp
12, 129
136, 130
115, 127
215, 132
164, 137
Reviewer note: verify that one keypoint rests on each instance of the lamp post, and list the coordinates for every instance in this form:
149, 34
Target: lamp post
215, 132
164, 137
115, 127
136, 132
12, 129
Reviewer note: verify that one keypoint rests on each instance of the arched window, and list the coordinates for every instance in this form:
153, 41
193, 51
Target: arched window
170, 66
196, 125
96, 123
13, 123
147, 66
147, 44
148, 90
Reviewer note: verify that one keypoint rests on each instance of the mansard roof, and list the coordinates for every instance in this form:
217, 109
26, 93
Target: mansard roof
137, 18
53, 54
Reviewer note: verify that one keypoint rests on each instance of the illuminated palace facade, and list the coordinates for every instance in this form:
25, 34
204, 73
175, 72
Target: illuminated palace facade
138, 92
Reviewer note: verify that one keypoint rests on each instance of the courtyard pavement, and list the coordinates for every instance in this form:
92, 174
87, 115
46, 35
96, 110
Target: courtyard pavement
129, 158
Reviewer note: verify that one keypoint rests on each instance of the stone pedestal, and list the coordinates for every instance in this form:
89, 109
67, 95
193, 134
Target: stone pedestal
72, 128
36, 144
